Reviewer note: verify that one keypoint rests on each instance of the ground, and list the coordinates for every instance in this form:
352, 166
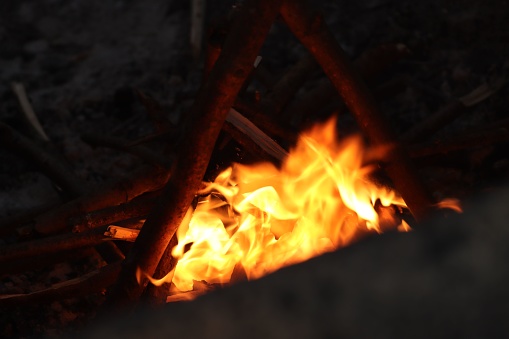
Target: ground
80, 61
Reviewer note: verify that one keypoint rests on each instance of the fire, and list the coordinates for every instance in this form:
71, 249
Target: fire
259, 218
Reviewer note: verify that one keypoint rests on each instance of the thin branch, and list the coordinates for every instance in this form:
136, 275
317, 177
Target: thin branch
9, 224
143, 180
447, 114
311, 29
285, 89
197, 24
484, 136
48, 164
214, 100
136, 208
51, 245
252, 138
28, 111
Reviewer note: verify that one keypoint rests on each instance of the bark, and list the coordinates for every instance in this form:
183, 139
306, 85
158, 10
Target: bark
250, 27
310, 28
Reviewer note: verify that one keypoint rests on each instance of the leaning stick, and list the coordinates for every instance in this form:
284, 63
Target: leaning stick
48, 164
143, 180
310, 28
450, 112
136, 208
253, 139
369, 65
50, 245
284, 90
214, 100
483, 136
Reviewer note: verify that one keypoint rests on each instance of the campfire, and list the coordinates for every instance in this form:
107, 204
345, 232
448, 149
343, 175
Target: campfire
259, 218
186, 223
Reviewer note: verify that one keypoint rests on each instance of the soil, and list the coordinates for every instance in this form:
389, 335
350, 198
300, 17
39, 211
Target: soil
81, 60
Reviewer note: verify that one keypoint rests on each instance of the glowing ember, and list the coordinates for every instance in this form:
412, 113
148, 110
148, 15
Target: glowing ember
259, 218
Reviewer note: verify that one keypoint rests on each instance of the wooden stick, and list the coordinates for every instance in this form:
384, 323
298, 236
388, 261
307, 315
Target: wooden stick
447, 114
197, 24
482, 137
156, 295
9, 224
369, 65
155, 112
93, 282
142, 152
284, 90
49, 165
252, 138
143, 180
51, 245
136, 208
264, 122
250, 27
40, 261
310, 28
28, 111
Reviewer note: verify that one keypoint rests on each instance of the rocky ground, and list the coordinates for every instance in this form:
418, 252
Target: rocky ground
80, 61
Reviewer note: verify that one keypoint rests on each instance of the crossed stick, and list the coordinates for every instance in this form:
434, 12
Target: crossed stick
229, 73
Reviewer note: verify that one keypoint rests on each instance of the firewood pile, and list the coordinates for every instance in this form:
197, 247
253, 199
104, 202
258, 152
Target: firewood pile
102, 232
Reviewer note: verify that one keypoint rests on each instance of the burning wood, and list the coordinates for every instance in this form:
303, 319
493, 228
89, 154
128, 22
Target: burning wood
262, 218
251, 220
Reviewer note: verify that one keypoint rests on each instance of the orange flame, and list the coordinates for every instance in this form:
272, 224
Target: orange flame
260, 218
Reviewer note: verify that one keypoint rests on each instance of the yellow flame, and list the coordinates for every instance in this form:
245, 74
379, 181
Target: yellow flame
259, 218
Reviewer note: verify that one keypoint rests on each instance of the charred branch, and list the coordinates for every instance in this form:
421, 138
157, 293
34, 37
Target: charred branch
310, 28
209, 112
51, 245
144, 180
137, 208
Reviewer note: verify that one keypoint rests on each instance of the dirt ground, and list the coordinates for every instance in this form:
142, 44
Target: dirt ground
80, 60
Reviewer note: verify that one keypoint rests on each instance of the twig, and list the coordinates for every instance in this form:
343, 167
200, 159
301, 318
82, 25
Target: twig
215, 98
121, 233
49, 165
9, 224
142, 152
144, 180
136, 208
484, 136
28, 111
450, 112
252, 138
311, 29
288, 85
265, 122
51, 245
155, 112
197, 23
369, 65
93, 282
40, 261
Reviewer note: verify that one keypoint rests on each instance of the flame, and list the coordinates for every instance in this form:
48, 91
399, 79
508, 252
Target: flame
253, 220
